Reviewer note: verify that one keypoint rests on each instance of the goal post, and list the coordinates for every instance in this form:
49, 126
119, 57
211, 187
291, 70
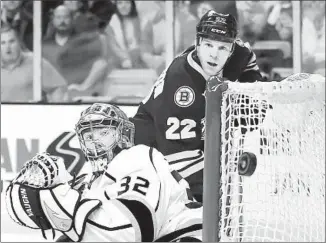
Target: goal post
276, 192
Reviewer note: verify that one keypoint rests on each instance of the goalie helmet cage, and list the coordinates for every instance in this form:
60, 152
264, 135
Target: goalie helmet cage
284, 198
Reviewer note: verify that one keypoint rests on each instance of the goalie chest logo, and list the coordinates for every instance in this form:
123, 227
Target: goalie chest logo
184, 96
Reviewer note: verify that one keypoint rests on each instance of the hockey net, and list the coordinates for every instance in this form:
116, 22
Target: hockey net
284, 198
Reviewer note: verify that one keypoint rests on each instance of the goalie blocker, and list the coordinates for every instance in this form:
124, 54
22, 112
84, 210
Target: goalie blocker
40, 197
43, 209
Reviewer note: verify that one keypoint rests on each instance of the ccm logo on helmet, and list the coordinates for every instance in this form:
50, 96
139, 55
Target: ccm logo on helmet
218, 31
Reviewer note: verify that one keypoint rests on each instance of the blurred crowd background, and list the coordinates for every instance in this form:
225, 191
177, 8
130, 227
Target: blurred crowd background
114, 50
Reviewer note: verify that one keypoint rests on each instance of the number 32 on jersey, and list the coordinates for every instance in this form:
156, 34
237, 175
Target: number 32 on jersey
180, 129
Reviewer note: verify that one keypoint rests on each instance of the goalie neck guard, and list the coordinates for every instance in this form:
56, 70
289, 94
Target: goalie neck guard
103, 130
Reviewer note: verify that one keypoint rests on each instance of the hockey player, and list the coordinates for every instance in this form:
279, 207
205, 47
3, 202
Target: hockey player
172, 117
132, 195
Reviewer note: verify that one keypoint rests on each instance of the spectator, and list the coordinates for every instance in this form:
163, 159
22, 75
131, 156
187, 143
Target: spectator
187, 20
103, 10
263, 21
17, 73
252, 20
282, 22
125, 27
313, 37
19, 14
200, 7
279, 27
146, 11
153, 40
12, 14
83, 20
80, 57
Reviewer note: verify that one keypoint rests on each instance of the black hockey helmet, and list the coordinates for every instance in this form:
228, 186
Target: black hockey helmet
217, 26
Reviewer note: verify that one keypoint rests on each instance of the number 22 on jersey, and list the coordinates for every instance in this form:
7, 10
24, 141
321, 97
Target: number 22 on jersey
186, 125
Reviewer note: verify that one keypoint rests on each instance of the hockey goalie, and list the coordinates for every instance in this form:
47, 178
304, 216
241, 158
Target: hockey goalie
129, 195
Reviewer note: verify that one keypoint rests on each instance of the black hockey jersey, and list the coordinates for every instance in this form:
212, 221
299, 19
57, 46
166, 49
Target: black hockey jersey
172, 117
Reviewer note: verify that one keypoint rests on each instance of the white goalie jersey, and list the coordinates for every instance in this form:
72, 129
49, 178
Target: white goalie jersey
142, 200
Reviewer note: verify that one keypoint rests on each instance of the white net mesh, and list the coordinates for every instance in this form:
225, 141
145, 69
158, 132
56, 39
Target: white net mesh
284, 199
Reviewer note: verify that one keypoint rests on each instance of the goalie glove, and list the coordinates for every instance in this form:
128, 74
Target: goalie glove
40, 197
45, 170
42, 171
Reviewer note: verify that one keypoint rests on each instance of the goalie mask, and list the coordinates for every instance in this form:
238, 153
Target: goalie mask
103, 131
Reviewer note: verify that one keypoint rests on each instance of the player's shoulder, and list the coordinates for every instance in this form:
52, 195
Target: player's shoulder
242, 53
178, 65
145, 152
140, 148
139, 156
171, 77
136, 152
241, 46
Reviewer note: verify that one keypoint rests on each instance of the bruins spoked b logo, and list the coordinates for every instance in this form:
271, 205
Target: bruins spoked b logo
184, 96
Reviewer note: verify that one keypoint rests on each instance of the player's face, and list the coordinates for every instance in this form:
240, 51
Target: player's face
213, 55
10, 47
284, 26
99, 139
62, 20
124, 7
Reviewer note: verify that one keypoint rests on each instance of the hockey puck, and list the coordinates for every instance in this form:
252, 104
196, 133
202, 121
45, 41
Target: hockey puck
247, 164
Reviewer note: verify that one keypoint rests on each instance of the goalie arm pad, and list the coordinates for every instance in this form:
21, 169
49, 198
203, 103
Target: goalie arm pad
59, 208
144, 124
